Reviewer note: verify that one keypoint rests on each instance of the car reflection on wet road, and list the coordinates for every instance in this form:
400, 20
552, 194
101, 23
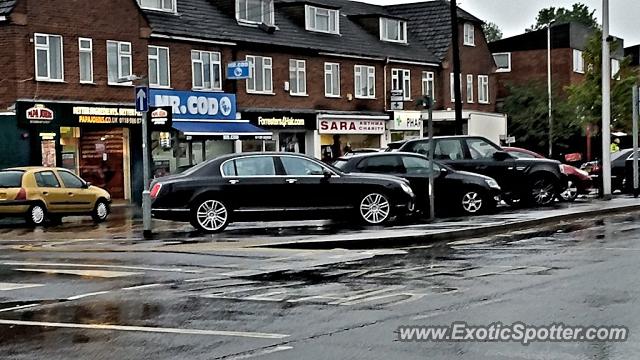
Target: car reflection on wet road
321, 304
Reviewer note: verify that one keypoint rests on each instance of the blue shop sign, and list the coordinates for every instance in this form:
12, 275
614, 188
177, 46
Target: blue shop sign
195, 105
238, 70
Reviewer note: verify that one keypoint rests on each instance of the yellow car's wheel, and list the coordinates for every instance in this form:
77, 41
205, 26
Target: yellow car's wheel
100, 211
36, 215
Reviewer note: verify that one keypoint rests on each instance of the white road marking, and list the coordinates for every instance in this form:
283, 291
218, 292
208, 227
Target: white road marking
246, 334
15, 286
368, 294
88, 273
205, 279
140, 287
76, 297
18, 307
143, 268
260, 353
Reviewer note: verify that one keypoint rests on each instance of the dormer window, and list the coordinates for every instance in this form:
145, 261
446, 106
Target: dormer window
322, 20
393, 30
255, 11
160, 5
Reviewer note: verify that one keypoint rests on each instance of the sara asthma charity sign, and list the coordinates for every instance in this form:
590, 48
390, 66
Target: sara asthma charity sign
351, 126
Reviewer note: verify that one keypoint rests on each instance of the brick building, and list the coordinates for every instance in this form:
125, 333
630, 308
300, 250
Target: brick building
322, 73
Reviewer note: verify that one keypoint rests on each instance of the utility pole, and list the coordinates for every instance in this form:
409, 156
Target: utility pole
606, 103
432, 146
549, 89
456, 66
636, 104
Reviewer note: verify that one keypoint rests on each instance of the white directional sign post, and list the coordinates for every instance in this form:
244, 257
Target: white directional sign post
142, 106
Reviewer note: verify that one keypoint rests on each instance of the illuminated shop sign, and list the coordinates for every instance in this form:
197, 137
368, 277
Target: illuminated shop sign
195, 105
352, 126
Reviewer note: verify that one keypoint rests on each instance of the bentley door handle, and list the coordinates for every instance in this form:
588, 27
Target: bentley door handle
234, 181
292, 181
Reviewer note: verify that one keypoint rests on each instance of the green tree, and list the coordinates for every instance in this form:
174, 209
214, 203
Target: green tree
491, 31
586, 98
579, 13
528, 112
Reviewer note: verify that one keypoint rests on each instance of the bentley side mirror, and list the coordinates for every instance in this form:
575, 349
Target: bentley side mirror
501, 155
327, 174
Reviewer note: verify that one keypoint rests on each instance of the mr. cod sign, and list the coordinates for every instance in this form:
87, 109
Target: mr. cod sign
195, 105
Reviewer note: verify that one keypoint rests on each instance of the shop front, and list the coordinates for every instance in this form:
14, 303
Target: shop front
405, 125
340, 133
292, 132
99, 142
205, 125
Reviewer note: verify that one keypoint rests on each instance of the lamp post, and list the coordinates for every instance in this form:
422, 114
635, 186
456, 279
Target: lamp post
606, 103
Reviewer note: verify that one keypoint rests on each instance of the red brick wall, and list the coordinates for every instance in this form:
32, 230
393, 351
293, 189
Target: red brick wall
475, 60
98, 20
531, 66
8, 75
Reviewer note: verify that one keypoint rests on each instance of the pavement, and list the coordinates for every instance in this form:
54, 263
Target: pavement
113, 301
123, 231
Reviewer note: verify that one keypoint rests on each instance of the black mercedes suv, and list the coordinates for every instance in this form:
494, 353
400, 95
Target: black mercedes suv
523, 181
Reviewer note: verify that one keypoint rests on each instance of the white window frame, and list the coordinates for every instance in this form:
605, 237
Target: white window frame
333, 77
311, 22
297, 75
401, 80
157, 59
172, 9
452, 86
615, 69
578, 61
120, 54
499, 69
89, 51
268, 19
428, 82
402, 30
470, 88
366, 73
483, 89
469, 34
47, 48
266, 68
218, 62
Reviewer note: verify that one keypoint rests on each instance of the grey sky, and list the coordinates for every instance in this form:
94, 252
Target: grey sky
513, 16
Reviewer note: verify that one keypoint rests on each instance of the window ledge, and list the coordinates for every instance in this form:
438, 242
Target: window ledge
364, 98
127, 84
470, 45
260, 93
333, 96
88, 83
205, 90
51, 81
484, 103
503, 70
299, 95
160, 87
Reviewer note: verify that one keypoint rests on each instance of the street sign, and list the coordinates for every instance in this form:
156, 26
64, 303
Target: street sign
397, 105
397, 95
238, 70
142, 98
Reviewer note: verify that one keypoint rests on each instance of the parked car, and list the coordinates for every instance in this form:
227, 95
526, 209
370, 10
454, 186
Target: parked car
618, 169
40, 193
455, 191
578, 181
276, 186
523, 181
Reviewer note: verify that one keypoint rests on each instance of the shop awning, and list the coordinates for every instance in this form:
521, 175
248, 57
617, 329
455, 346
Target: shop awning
225, 129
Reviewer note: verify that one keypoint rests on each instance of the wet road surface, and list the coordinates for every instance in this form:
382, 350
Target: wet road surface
316, 304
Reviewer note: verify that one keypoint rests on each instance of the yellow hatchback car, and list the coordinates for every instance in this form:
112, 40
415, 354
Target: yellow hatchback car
41, 194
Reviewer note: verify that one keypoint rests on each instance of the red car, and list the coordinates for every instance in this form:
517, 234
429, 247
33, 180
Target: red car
578, 181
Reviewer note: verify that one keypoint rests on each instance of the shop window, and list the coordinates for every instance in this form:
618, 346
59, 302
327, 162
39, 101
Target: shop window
291, 142
428, 84
255, 166
47, 179
331, 80
206, 70
261, 75
49, 57
160, 5
297, 77
322, 20
70, 181
401, 80
365, 82
393, 30
85, 51
296, 166
118, 62
483, 89
255, 11
159, 66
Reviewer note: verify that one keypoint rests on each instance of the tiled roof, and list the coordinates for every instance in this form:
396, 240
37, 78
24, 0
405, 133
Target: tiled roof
209, 20
430, 22
6, 6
